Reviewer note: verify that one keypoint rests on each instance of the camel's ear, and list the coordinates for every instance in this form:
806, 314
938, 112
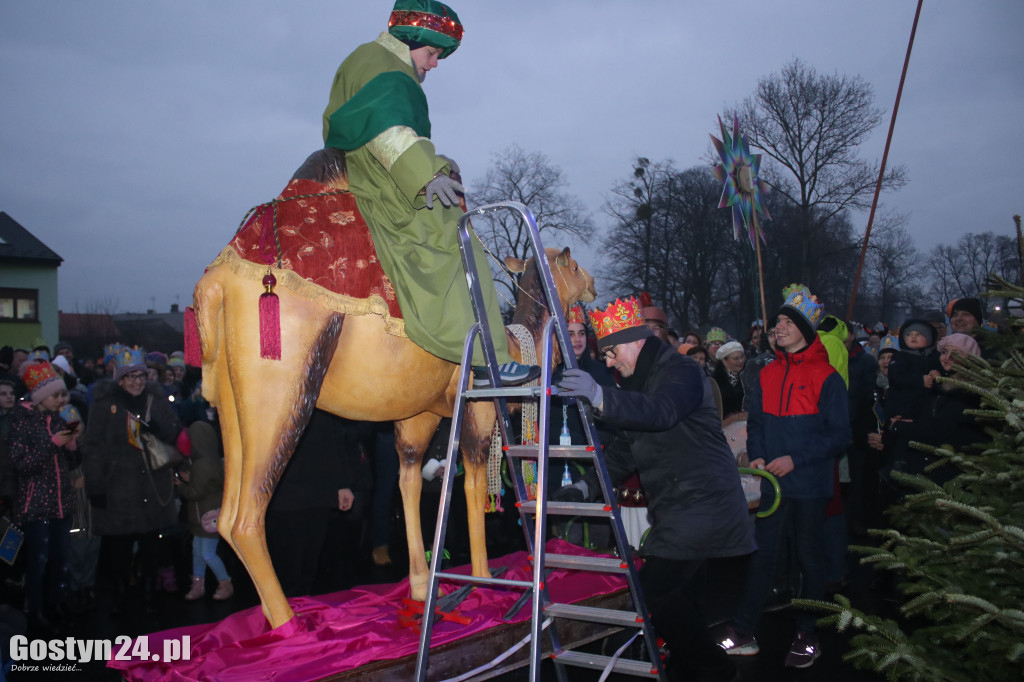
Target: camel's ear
515, 264
562, 259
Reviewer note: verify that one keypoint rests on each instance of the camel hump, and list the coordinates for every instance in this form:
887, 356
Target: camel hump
326, 166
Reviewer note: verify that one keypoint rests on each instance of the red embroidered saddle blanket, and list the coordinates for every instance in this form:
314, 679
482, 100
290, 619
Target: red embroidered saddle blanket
319, 246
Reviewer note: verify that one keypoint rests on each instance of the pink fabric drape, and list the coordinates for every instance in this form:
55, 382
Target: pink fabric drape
344, 630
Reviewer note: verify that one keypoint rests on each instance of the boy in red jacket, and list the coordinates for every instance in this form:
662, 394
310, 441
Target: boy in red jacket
798, 425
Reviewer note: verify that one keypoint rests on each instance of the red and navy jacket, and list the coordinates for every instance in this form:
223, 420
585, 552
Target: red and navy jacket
799, 408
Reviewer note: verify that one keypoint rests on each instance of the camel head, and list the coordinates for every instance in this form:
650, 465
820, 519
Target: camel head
571, 280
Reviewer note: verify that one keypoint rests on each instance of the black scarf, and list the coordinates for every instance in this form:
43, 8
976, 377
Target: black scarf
644, 364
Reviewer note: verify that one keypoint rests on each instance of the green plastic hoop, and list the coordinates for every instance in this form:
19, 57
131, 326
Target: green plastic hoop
775, 485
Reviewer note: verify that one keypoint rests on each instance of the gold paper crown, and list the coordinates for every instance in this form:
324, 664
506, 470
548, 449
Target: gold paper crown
576, 315
619, 316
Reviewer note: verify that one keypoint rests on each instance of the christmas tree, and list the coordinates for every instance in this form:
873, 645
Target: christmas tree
955, 550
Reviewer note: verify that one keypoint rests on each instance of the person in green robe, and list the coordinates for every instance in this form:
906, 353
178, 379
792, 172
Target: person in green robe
377, 114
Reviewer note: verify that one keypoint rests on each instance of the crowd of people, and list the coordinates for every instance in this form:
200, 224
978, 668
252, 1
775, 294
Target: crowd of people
832, 408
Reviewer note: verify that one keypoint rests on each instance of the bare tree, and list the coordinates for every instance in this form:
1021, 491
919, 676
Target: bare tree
531, 179
811, 127
668, 238
962, 269
893, 268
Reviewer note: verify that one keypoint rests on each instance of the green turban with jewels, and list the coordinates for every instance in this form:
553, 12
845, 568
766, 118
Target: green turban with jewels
426, 22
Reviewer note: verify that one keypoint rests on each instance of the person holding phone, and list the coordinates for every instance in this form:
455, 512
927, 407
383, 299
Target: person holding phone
43, 450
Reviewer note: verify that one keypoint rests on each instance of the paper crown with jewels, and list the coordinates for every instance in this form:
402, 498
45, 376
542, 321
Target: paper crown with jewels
426, 22
621, 322
41, 380
716, 335
576, 315
110, 351
128, 360
890, 342
38, 355
803, 308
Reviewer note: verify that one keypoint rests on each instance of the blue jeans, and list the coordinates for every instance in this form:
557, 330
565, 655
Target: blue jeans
47, 545
807, 520
204, 553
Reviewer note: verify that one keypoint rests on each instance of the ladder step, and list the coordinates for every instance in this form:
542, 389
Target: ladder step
504, 582
504, 392
595, 614
628, 666
586, 563
570, 508
563, 451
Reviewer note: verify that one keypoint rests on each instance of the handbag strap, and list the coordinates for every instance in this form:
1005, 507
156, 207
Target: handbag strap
149, 405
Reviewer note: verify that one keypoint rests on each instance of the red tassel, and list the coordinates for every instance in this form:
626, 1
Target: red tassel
645, 300
193, 353
270, 321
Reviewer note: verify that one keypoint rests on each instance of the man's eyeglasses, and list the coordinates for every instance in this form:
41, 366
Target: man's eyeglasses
609, 353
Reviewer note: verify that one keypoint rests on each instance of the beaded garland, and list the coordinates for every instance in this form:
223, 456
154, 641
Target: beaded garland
433, 22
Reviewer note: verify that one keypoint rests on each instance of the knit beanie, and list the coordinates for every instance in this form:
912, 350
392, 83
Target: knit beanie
964, 343
922, 327
970, 305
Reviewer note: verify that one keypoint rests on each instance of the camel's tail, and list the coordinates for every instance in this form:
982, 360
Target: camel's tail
208, 305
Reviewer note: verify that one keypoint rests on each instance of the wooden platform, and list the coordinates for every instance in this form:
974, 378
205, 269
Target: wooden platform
456, 658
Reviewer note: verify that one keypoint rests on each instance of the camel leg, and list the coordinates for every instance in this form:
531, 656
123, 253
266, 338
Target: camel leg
476, 442
412, 438
273, 407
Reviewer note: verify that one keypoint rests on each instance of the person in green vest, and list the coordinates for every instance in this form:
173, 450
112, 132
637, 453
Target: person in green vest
377, 114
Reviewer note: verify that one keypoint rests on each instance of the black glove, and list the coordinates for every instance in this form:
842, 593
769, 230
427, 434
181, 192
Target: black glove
576, 383
446, 190
577, 492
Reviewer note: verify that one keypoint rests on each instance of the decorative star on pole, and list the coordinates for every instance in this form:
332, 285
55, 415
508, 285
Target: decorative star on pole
741, 187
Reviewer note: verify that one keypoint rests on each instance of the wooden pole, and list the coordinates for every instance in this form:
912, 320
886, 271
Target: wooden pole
885, 156
760, 272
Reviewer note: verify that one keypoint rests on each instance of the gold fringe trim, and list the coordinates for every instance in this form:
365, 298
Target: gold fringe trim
290, 280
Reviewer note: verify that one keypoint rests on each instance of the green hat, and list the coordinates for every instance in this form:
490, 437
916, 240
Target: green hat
426, 22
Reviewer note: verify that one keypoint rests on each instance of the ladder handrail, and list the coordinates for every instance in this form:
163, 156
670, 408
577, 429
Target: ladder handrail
555, 328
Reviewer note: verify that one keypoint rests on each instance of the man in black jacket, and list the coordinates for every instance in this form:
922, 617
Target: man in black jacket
670, 433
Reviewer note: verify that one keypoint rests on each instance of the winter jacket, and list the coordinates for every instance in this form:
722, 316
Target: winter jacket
125, 498
672, 435
834, 341
799, 408
732, 393
330, 456
42, 467
941, 421
907, 392
205, 486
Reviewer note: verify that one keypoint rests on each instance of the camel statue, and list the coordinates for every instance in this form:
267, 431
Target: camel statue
349, 365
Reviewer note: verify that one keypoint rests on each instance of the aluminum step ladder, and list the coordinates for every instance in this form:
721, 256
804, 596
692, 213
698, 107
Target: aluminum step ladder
534, 513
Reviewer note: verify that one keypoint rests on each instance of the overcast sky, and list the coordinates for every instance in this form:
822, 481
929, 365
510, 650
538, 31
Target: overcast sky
135, 135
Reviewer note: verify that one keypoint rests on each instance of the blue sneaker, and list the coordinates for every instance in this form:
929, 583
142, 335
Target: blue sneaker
511, 374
